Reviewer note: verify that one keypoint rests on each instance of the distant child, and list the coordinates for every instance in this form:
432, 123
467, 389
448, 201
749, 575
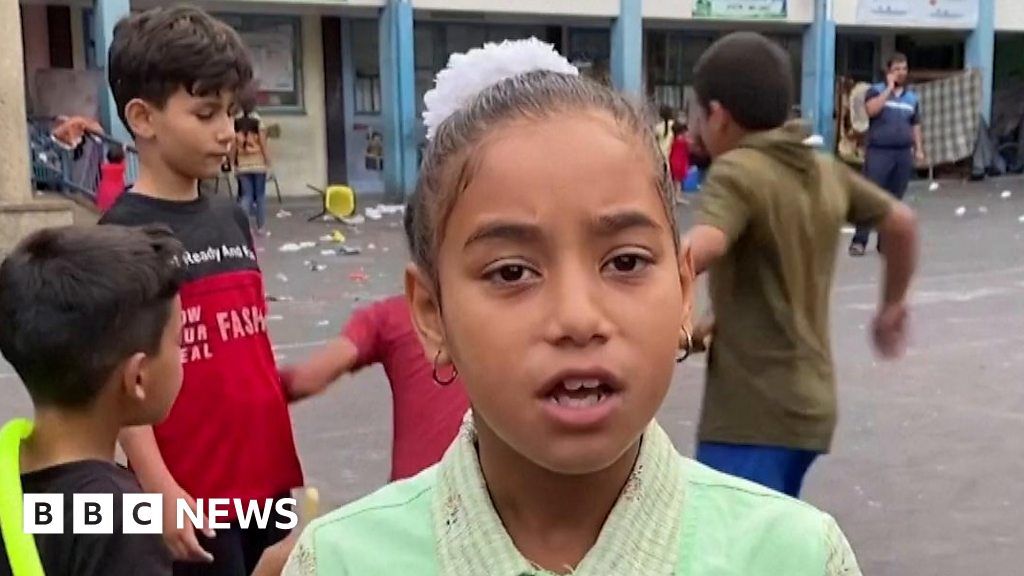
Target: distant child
559, 292
767, 230
679, 158
428, 406
251, 160
174, 73
663, 129
111, 179
90, 320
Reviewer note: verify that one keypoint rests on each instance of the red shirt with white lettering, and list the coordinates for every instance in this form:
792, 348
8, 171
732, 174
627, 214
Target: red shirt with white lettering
229, 434
426, 415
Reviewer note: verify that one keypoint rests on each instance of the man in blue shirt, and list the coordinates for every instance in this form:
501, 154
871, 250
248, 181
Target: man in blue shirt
894, 138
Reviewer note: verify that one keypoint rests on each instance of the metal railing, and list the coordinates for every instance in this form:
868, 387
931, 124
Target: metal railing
60, 168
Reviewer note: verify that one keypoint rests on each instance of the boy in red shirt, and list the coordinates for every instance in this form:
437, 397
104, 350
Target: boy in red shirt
679, 158
173, 73
111, 179
428, 407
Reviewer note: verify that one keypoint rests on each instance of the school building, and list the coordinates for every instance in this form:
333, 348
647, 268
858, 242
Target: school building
341, 81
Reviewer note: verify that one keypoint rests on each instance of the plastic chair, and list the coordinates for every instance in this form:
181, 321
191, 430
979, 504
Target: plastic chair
272, 177
338, 201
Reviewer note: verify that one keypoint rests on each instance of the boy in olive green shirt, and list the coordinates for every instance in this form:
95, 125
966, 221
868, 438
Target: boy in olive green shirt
767, 230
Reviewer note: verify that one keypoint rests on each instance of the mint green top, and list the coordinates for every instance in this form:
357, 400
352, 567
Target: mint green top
674, 517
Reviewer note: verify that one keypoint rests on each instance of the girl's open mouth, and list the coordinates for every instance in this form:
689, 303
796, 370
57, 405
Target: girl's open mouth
580, 393
581, 401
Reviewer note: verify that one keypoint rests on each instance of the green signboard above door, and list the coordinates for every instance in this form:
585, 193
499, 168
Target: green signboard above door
740, 9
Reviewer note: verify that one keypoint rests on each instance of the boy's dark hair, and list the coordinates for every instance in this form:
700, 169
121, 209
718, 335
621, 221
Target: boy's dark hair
678, 128
748, 75
162, 49
115, 154
896, 58
77, 301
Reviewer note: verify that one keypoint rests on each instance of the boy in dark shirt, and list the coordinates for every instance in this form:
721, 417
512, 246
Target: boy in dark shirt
174, 73
90, 319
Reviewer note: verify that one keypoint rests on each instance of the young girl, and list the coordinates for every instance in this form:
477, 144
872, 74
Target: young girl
548, 276
663, 129
252, 161
111, 179
679, 159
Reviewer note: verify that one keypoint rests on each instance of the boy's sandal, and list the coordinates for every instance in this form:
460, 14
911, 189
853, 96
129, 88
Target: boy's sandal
857, 249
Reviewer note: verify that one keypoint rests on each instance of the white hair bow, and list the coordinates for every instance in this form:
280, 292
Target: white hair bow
466, 75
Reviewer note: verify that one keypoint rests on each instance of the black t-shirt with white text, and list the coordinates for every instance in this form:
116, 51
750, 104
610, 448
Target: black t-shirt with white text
69, 554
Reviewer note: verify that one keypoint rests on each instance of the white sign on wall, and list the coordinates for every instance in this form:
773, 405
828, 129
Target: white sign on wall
919, 13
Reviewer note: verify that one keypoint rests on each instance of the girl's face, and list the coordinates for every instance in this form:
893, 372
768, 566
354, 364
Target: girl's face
563, 295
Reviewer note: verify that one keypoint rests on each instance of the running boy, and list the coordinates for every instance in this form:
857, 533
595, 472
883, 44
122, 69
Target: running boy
90, 320
559, 291
427, 406
767, 230
174, 73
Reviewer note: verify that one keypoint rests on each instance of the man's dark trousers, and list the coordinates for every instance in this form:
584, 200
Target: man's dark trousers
891, 169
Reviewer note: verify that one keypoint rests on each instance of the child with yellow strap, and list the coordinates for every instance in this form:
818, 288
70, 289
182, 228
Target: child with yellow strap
20, 547
90, 320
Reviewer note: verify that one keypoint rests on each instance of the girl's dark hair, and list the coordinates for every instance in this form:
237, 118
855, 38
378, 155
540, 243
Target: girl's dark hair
449, 162
246, 99
162, 49
115, 154
667, 114
76, 302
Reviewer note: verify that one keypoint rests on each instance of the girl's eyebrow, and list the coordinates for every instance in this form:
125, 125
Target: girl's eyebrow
506, 230
524, 232
614, 223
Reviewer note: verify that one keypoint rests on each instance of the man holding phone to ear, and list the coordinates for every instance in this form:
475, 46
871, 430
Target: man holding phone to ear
895, 141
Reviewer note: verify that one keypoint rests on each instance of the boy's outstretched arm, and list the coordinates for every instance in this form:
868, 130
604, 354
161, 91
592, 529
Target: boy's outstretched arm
707, 244
140, 446
325, 366
899, 235
723, 214
897, 230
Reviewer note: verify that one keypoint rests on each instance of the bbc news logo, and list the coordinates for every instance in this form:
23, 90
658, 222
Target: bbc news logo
144, 513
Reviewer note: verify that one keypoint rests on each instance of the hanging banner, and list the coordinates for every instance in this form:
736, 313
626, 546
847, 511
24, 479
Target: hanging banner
919, 13
740, 9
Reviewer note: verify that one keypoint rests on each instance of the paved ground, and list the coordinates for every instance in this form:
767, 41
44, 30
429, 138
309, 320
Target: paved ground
926, 475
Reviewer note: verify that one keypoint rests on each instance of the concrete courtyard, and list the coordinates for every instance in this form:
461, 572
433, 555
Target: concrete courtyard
927, 475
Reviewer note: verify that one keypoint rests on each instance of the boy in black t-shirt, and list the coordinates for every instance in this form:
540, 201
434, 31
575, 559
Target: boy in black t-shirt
90, 320
174, 72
